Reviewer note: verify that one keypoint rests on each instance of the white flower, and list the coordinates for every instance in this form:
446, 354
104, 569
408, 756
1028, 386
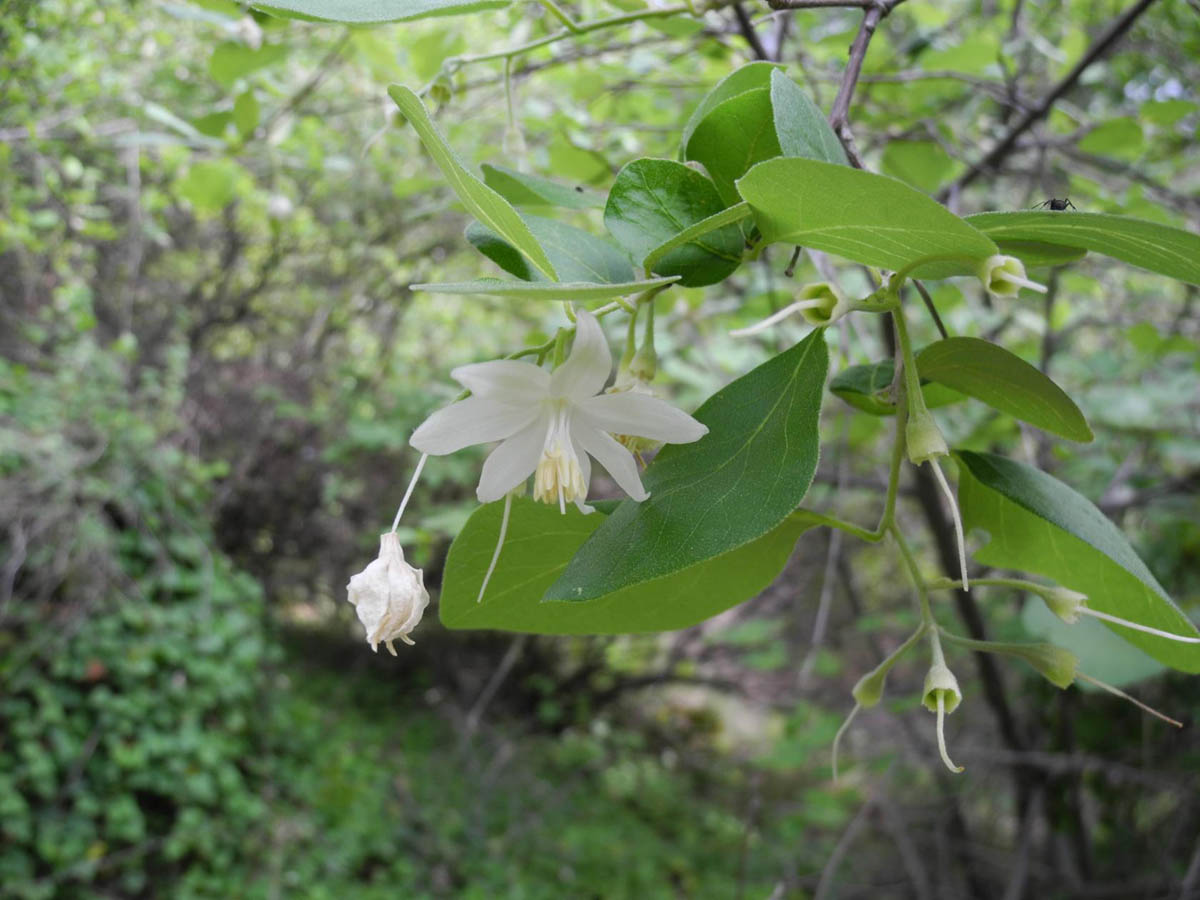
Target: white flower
389, 595
549, 423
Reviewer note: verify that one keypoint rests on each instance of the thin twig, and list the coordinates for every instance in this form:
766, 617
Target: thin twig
1111, 35
746, 28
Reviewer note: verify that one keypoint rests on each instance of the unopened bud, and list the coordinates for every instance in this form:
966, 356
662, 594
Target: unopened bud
922, 437
1004, 276
1056, 665
1065, 603
869, 690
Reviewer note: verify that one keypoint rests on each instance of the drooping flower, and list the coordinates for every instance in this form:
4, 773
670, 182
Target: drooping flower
389, 595
550, 423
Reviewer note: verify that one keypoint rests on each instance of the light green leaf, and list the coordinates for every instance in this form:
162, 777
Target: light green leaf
480, 200
521, 189
1005, 382
923, 164
539, 545
577, 255
544, 290
367, 11
860, 216
800, 126
1038, 524
1121, 138
1159, 248
212, 184
213, 124
735, 134
231, 60
246, 113
733, 486
1038, 253
747, 78
653, 200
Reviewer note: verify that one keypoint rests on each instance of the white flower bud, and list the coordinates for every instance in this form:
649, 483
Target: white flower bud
1064, 602
249, 32
389, 595
1004, 276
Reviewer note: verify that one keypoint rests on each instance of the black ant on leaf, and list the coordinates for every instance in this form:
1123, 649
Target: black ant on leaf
1055, 204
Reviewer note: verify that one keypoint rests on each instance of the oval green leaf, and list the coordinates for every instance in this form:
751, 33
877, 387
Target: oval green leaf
747, 78
866, 387
577, 255
544, 290
1038, 524
867, 218
480, 200
521, 189
736, 134
1149, 245
800, 126
361, 12
1005, 382
540, 543
652, 201
733, 486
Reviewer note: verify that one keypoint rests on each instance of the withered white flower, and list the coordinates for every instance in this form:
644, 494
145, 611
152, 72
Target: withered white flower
389, 595
549, 423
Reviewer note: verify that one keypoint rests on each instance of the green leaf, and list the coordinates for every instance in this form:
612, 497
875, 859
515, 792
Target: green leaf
577, 255
800, 126
736, 484
1159, 248
867, 218
1121, 138
231, 61
365, 11
1005, 382
1039, 253
540, 543
543, 290
923, 164
736, 134
748, 78
213, 124
652, 200
521, 189
866, 387
210, 185
246, 113
1038, 524
480, 200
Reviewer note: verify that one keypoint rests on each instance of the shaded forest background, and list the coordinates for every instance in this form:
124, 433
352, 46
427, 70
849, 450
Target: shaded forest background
210, 363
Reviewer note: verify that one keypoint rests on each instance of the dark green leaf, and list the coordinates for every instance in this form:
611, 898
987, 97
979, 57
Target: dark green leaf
577, 255
653, 200
480, 200
365, 11
868, 387
747, 78
732, 137
1159, 248
543, 290
801, 128
521, 189
1038, 524
736, 484
867, 218
1005, 382
540, 543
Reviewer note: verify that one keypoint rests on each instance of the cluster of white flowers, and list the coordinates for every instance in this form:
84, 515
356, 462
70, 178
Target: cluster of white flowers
549, 425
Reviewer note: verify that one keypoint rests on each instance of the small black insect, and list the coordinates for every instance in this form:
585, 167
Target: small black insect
578, 189
1055, 204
